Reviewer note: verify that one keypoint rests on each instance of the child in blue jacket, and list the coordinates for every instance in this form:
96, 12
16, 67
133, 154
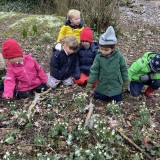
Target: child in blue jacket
63, 62
85, 56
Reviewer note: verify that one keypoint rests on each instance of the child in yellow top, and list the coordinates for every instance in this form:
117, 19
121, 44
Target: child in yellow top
73, 25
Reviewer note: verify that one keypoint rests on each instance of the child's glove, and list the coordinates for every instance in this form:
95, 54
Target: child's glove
125, 86
89, 87
146, 77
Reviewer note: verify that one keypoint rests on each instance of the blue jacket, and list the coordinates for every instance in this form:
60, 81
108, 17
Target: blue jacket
85, 58
62, 66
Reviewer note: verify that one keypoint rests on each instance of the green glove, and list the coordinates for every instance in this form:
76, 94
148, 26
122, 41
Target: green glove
125, 86
89, 87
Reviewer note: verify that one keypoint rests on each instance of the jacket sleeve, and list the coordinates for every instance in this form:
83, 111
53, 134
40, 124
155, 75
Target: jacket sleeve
135, 70
94, 71
54, 65
9, 84
123, 68
77, 69
62, 33
41, 74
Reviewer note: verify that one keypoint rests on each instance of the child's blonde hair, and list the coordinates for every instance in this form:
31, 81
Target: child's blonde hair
72, 13
70, 41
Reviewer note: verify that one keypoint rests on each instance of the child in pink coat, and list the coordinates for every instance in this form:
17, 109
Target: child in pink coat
24, 75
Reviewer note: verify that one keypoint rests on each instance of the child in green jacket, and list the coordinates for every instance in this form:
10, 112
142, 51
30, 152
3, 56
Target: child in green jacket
145, 71
109, 68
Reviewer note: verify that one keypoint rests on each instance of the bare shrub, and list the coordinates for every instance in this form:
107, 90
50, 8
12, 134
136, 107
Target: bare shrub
98, 14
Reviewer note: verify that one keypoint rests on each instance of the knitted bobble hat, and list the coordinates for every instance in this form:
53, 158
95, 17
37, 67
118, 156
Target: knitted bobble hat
11, 49
86, 35
155, 63
109, 37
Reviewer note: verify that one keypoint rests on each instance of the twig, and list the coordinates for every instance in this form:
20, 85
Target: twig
120, 131
36, 99
35, 145
90, 106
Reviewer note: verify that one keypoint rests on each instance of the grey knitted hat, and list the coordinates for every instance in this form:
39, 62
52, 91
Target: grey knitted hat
109, 37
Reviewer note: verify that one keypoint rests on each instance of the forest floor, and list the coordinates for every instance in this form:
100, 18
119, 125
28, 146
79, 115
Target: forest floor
55, 127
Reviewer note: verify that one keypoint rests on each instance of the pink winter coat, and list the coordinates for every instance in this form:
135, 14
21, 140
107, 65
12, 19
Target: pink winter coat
23, 76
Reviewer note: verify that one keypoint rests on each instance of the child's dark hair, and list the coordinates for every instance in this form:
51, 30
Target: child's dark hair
112, 46
70, 41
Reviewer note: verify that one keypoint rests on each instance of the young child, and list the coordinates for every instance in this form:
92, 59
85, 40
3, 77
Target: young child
24, 75
86, 54
2, 71
63, 62
145, 71
73, 25
109, 68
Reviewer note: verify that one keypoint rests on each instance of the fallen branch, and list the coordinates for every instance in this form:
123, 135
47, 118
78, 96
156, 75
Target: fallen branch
120, 131
91, 107
36, 99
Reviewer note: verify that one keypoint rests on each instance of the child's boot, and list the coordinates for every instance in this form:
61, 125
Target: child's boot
148, 93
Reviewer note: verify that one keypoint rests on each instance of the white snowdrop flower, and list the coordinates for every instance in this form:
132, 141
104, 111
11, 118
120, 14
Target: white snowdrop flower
69, 142
69, 136
100, 152
97, 134
95, 126
39, 154
48, 158
113, 132
101, 131
7, 153
88, 151
46, 153
91, 155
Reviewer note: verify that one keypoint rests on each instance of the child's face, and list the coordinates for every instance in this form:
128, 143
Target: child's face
75, 20
14, 60
106, 50
85, 44
68, 50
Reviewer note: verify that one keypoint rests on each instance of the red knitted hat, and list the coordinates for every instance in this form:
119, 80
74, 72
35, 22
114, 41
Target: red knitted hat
86, 35
11, 49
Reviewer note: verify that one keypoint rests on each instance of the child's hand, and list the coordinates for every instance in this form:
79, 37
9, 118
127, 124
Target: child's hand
125, 86
6, 97
146, 77
89, 88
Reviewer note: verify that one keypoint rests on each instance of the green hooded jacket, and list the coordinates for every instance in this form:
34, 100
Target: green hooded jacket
141, 67
110, 71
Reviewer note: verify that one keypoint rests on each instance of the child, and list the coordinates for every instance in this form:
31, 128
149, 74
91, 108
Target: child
86, 55
145, 71
109, 68
24, 75
73, 25
2, 72
63, 62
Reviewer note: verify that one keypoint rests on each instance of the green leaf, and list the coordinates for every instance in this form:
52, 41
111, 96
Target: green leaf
9, 140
